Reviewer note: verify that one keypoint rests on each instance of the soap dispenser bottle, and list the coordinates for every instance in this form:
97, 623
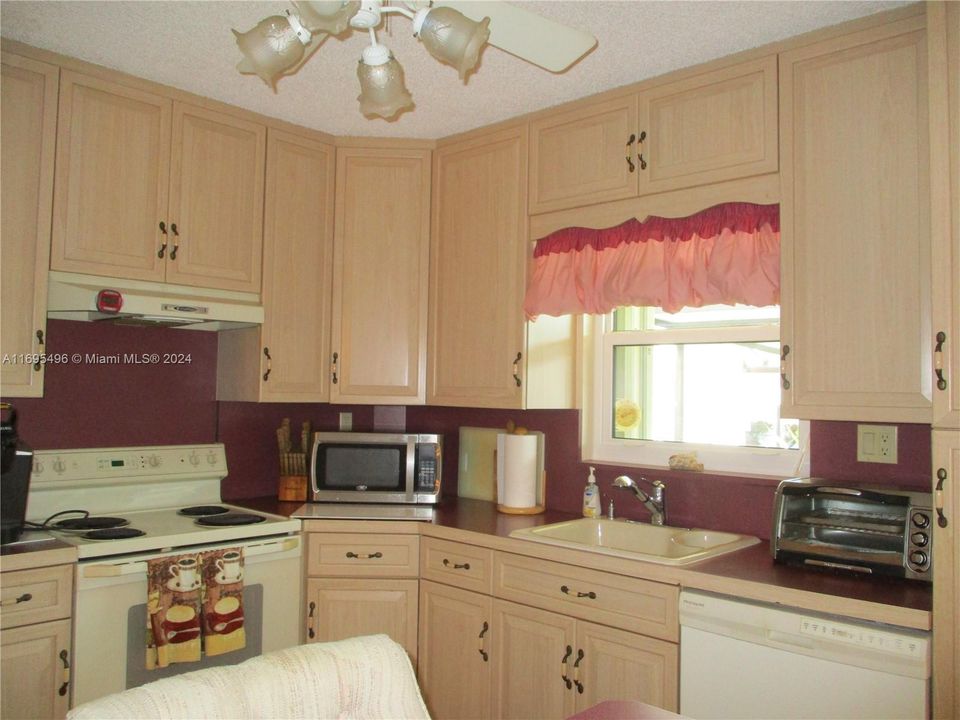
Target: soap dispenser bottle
591, 497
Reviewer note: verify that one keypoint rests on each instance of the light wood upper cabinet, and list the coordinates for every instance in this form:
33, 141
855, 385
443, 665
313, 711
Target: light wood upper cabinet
152, 189
29, 121
943, 39
381, 264
287, 358
715, 126
855, 219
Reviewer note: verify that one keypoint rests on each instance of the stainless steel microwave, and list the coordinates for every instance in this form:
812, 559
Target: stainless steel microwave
375, 468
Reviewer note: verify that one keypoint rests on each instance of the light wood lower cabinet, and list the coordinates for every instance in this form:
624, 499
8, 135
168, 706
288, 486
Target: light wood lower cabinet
946, 575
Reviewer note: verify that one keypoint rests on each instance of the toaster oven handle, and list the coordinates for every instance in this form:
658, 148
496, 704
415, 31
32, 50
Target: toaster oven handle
854, 492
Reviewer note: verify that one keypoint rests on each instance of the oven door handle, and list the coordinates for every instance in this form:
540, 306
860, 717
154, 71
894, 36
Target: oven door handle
102, 570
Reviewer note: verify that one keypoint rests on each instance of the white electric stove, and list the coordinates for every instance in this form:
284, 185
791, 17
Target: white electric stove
124, 506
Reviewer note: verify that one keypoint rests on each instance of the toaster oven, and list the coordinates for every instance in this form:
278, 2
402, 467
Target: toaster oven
880, 531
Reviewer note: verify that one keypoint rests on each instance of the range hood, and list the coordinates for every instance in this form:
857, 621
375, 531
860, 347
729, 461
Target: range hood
72, 296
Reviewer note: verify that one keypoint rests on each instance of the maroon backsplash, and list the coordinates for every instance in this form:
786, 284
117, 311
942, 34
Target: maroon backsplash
87, 404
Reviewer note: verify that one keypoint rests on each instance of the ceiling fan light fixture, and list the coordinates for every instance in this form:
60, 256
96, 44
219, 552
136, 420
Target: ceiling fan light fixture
452, 37
273, 45
382, 89
330, 16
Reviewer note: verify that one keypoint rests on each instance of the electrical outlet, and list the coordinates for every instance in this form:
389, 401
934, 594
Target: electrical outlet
877, 443
346, 422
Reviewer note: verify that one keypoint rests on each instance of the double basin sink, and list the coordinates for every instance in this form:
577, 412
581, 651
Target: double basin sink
637, 541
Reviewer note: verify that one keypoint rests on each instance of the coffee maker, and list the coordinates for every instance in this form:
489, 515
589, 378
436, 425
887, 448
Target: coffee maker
16, 463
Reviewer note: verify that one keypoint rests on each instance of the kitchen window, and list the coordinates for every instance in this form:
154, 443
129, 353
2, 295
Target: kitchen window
704, 380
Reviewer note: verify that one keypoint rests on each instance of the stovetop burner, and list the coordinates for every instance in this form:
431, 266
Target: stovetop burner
90, 523
113, 533
201, 510
230, 519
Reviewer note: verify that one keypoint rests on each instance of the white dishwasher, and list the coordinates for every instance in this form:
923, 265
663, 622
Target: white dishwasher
740, 659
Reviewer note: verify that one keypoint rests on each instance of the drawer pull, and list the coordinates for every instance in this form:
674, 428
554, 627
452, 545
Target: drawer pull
483, 653
26, 597
563, 675
576, 672
368, 556
310, 631
567, 591
456, 566
66, 673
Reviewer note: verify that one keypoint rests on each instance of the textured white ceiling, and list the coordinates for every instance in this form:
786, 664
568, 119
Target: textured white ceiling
189, 45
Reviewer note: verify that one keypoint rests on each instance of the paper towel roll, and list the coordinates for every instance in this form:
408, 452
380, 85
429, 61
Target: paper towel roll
517, 480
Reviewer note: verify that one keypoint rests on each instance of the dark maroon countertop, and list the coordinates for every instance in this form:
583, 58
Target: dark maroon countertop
750, 565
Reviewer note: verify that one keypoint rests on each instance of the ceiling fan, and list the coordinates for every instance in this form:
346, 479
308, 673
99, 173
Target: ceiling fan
453, 31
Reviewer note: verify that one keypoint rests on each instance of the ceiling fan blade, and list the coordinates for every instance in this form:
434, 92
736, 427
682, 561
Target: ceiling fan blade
529, 36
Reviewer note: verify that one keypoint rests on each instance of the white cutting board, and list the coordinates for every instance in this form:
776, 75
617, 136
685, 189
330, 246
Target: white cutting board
477, 472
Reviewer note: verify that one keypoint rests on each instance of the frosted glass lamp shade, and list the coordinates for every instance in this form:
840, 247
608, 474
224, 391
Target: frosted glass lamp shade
271, 47
382, 90
329, 16
453, 38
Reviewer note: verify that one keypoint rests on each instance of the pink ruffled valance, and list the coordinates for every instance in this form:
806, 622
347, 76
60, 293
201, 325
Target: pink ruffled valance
726, 254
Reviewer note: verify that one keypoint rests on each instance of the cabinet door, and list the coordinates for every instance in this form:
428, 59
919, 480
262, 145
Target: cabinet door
534, 654
297, 268
580, 157
855, 309
455, 652
712, 127
478, 255
34, 671
381, 253
341, 608
216, 200
112, 179
619, 665
943, 31
29, 121
946, 576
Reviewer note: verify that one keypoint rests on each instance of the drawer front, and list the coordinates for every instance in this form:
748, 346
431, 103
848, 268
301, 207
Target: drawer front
32, 596
362, 555
641, 606
464, 566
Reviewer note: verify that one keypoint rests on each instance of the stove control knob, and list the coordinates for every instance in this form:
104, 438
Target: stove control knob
920, 520
918, 557
194, 459
37, 467
59, 465
153, 461
211, 458
919, 539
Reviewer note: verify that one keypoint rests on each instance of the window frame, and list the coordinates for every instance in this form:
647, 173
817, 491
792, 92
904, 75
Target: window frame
598, 443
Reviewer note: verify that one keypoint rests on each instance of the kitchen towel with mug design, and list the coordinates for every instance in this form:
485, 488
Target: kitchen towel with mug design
223, 629
174, 592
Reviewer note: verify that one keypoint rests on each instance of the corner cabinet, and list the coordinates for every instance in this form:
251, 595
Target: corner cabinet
855, 219
381, 265
285, 359
150, 188
705, 128
29, 121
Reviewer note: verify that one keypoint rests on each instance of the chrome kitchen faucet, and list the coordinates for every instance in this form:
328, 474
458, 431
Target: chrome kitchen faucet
655, 502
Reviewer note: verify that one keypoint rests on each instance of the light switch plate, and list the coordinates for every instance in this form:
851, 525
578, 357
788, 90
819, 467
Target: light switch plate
877, 443
346, 421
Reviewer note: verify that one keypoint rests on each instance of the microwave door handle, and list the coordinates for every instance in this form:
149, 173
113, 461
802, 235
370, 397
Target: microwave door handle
411, 467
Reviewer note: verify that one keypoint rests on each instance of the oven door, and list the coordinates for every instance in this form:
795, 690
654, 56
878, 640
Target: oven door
371, 468
110, 616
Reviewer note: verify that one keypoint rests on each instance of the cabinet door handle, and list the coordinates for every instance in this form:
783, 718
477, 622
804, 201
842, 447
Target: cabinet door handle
516, 370
368, 556
576, 672
567, 591
784, 351
456, 566
333, 368
310, 631
643, 136
563, 674
630, 141
938, 360
483, 631
64, 658
938, 498
26, 597
163, 247
266, 353
176, 243
38, 365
